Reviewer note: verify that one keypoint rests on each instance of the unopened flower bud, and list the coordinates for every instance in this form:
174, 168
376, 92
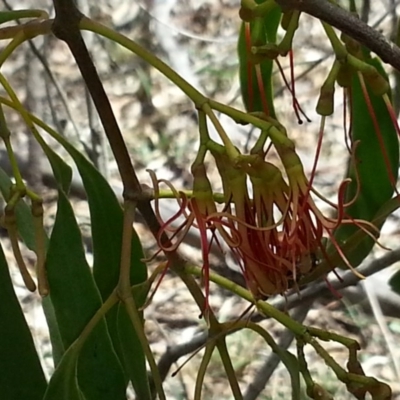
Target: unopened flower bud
376, 82
325, 102
345, 75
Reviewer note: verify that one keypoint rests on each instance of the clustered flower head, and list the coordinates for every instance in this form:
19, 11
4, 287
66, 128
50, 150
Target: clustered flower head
266, 215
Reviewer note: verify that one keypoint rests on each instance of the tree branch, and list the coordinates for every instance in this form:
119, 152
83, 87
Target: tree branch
66, 28
348, 24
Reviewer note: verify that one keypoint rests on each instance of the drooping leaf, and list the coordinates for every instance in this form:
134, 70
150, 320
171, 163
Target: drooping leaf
27, 234
109, 233
376, 187
63, 175
64, 382
106, 223
57, 344
75, 299
133, 357
61, 170
21, 375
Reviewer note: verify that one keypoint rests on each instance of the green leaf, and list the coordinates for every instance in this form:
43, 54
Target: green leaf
376, 187
263, 31
135, 366
107, 224
61, 170
26, 230
21, 375
107, 239
57, 344
64, 382
75, 299
63, 175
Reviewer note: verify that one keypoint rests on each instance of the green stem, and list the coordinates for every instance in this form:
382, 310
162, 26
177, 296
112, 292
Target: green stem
267, 309
340, 373
230, 372
97, 317
22, 33
286, 44
200, 101
258, 147
261, 10
124, 287
203, 129
328, 336
203, 369
169, 194
231, 150
134, 316
338, 47
124, 292
11, 226
6, 16
189, 90
267, 337
238, 116
303, 365
28, 119
204, 139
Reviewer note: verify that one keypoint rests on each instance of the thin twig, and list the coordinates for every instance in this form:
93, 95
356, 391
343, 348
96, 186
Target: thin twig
305, 297
66, 28
63, 98
265, 372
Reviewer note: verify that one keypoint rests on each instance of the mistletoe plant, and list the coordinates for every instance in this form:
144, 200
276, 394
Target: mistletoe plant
267, 213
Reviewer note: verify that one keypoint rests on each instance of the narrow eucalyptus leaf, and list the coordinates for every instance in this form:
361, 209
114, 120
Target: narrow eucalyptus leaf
76, 299
263, 32
375, 186
21, 375
64, 383
106, 223
133, 356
